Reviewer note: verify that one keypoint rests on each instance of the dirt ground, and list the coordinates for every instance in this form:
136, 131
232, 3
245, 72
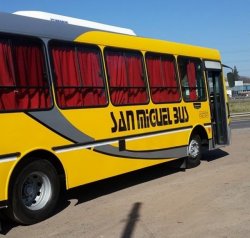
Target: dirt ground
212, 200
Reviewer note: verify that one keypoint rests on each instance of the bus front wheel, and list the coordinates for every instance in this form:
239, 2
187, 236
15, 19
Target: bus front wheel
194, 151
34, 193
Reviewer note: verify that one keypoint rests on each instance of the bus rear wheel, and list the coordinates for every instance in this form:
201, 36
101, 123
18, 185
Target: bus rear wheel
194, 151
34, 193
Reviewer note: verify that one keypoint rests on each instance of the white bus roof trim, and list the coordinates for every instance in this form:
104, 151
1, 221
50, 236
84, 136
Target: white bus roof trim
74, 21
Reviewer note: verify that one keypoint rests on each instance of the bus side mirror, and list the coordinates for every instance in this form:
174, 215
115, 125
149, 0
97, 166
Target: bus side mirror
230, 76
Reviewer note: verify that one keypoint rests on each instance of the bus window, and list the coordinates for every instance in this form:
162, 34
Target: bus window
126, 77
192, 79
162, 78
78, 76
23, 77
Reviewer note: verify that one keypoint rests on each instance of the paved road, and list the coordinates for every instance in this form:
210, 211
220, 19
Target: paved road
241, 123
212, 200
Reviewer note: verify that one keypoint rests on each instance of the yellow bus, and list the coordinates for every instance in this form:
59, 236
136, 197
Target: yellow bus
80, 104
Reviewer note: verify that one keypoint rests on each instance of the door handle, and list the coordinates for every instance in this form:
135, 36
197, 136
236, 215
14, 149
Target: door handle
197, 105
228, 110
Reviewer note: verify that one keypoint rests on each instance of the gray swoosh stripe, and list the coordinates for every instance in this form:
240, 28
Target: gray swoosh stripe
162, 154
54, 120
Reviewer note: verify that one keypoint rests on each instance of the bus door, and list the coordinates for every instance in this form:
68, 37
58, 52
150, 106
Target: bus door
221, 133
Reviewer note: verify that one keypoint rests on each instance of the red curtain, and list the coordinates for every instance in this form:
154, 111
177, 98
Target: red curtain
169, 73
116, 67
66, 75
154, 70
78, 77
26, 88
191, 76
126, 79
30, 70
7, 78
162, 78
137, 91
91, 74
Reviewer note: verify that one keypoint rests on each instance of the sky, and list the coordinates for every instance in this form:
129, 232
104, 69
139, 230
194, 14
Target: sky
220, 24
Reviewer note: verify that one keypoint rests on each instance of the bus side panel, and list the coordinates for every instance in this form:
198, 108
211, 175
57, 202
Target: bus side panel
5, 170
87, 166
164, 140
21, 135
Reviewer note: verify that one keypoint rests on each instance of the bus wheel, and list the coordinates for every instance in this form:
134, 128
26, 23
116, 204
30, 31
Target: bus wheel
194, 152
34, 193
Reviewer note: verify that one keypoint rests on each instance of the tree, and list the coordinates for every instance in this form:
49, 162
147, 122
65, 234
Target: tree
232, 77
236, 74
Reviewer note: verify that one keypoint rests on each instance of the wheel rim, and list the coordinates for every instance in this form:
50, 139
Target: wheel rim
194, 149
36, 191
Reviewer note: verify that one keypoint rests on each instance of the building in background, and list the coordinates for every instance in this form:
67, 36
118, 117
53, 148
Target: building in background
241, 88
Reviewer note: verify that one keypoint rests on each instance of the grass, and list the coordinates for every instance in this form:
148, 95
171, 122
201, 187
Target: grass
239, 105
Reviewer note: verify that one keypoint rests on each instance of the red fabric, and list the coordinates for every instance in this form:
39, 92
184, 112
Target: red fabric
7, 78
30, 73
154, 70
67, 90
78, 77
162, 79
191, 75
91, 75
173, 93
116, 67
22, 74
126, 80
137, 92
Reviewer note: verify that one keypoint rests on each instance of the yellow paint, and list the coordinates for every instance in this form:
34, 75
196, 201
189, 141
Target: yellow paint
147, 44
5, 171
20, 133
85, 166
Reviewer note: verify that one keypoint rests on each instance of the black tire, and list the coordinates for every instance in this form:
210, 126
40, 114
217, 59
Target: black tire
34, 193
194, 152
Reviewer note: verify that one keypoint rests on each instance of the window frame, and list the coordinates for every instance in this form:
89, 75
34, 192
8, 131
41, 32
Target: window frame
151, 53
197, 59
127, 51
27, 40
77, 45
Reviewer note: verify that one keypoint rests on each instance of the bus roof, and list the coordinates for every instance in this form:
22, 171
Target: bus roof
148, 44
55, 29
74, 21
52, 29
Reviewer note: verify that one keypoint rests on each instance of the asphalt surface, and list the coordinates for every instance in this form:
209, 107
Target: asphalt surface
240, 123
